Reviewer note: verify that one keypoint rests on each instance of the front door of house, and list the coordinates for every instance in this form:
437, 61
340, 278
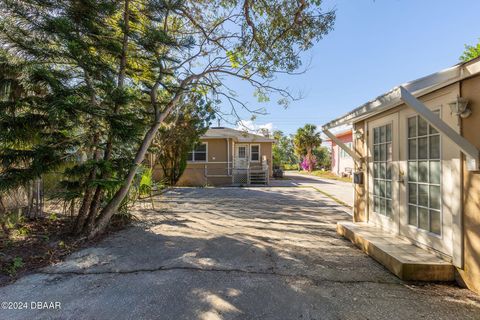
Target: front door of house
431, 194
241, 156
383, 173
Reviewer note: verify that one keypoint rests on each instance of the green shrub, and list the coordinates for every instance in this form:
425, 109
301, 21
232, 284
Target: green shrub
16, 264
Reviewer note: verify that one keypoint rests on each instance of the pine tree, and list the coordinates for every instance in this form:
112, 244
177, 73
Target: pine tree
112, 71
72, 54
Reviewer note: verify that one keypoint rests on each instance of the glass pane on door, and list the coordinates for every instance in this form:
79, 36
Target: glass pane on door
424, 176
382, 158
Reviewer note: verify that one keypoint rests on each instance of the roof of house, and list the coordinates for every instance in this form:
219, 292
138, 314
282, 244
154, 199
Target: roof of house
236, 135
418, 87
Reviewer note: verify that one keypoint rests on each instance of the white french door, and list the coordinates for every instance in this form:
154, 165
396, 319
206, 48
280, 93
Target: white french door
431, 194
383, 182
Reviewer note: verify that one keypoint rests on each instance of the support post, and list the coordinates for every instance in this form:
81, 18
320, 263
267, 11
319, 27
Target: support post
471, 152
352, 153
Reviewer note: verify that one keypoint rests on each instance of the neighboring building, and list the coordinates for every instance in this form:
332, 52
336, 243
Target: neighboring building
421, 182
227, 156
342, 162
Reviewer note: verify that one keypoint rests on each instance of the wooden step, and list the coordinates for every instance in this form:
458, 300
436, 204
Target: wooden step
400, 256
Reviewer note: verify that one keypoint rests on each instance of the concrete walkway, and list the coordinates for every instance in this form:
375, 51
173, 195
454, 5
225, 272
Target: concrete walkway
232, 253
339, 189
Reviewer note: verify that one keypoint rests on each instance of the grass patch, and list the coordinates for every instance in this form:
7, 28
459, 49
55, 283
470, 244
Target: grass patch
326, 175
340, 202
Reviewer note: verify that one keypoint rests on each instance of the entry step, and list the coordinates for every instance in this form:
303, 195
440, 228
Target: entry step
401, 257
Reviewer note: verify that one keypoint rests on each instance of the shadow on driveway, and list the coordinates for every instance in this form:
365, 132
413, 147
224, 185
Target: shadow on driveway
232, 253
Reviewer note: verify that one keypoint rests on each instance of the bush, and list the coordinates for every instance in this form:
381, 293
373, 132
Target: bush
291, 166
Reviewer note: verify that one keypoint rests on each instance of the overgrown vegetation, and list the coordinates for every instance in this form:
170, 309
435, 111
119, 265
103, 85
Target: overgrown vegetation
327, 175
306, 140
178, 136
87, 84
283, 150
288, 157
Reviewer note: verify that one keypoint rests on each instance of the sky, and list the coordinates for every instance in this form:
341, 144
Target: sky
375, 46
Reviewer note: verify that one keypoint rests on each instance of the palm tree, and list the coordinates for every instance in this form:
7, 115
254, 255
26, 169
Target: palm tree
305, 140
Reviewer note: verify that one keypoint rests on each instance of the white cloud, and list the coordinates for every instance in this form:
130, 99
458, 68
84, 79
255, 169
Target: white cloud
252, 127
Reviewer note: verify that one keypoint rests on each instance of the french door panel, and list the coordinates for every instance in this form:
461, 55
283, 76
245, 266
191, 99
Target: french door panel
383, 175
426, 216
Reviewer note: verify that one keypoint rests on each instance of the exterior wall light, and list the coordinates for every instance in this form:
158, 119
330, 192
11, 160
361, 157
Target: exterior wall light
460, 108
358, 134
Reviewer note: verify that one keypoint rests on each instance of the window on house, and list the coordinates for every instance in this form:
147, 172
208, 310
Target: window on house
199, 153
424, 198
254, 152
382, 170
242, 152
343, 153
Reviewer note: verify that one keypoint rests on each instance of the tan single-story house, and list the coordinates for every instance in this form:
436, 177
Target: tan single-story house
417, 176
226, 156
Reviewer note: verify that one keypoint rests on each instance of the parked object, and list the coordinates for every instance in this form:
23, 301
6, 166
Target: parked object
277, 172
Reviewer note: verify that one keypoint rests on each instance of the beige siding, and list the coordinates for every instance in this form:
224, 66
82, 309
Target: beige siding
215, 171
471, 190
266, 150
469, 274
217, 150
360, 199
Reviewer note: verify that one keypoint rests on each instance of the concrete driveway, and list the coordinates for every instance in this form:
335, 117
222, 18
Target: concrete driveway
338, 189
232, 253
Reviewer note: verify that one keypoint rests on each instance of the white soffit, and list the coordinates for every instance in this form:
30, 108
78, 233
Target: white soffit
417, 87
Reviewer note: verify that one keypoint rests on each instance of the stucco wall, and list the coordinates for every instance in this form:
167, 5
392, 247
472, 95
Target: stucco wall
339, 164
470, 274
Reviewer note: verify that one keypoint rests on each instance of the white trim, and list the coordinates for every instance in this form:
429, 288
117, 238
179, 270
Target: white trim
407, 203
418, 87
240, 140
470, 151
450, 242
259, 153
239, 160
228, 156
206, 155
379, 220
213, 162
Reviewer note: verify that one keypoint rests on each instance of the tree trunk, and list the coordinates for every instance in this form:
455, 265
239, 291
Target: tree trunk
112, 207
97, 197
82, 212
87, 198
3, 217
309, 160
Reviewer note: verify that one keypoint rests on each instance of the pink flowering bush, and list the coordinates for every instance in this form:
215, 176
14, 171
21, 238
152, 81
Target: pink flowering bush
309, 163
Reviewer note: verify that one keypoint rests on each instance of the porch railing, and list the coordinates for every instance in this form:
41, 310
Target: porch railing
252, 174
